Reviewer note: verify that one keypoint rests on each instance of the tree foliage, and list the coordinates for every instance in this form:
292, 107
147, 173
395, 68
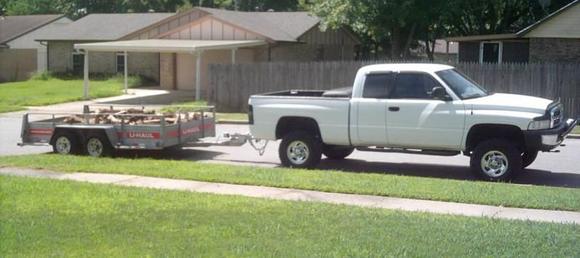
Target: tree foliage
387, 28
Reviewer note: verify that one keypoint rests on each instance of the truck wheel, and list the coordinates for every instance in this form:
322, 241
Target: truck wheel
66, 144
528, 158
98, 146
336, 152
300, 150
496, 160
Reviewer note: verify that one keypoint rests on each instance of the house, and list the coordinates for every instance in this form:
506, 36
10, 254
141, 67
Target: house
20, 54
443, 50
181, 46
63, 58
556, 38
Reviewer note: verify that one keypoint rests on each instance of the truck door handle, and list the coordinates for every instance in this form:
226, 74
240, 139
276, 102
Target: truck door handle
394, 109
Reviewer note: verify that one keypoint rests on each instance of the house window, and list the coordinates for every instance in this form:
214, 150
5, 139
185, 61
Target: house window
78, 62
120, 62
490, 52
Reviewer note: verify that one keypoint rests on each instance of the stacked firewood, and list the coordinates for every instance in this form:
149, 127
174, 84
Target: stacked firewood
131, 116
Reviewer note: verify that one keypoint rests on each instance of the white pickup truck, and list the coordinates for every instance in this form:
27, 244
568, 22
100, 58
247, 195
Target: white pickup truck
411, 108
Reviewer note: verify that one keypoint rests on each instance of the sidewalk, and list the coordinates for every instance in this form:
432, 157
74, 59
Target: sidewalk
473, 210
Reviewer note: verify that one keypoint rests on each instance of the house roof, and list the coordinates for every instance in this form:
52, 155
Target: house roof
102, 27
519, 34
278, 26
483, 37
528, 29
12, 27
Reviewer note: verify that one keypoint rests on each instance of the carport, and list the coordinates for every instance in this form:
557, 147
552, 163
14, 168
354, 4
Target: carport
194, 47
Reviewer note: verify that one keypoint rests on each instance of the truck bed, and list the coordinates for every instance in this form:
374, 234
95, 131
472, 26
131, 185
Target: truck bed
345, 92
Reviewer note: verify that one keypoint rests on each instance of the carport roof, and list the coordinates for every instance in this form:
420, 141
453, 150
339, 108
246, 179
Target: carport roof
167, 45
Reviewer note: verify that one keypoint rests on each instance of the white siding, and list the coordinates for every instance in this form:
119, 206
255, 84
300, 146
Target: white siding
564, 25
210, 29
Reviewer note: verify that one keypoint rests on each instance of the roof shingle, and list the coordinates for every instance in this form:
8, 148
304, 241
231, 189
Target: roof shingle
12, 27
278, 26
100, 27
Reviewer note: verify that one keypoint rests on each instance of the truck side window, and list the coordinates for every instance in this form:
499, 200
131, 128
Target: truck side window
378, 86
413, 86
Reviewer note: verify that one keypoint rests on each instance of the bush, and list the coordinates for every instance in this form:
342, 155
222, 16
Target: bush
42, 76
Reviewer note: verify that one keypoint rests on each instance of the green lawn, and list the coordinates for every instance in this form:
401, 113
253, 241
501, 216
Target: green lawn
504, 194
576, 130
243, 117
45, 218
17, 95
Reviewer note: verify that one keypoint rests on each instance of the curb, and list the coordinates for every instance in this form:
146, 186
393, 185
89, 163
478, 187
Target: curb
574, 136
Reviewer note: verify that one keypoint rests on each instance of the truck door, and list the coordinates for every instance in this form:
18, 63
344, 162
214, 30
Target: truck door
370, 111
416, 119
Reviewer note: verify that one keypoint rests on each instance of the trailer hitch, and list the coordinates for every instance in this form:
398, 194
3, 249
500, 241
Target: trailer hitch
238, 139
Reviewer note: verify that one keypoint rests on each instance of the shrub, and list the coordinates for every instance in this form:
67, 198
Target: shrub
42, 76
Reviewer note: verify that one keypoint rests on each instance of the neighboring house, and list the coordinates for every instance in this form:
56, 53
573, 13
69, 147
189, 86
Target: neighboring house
63, 58
443, 51
226, 36
20, 54
556, 38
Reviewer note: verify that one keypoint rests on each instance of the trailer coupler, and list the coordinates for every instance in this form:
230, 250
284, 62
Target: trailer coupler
238, 139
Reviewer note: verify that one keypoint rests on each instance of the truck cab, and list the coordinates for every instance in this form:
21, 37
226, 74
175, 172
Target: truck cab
411, 108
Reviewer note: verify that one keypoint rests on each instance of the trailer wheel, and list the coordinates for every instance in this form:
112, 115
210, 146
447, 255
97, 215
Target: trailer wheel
98, 146
300, 150
66, 144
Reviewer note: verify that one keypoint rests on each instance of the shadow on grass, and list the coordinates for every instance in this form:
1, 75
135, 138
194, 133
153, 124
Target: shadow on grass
527, 176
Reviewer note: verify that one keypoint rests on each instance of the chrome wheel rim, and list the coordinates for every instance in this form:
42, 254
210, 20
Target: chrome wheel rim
63, 145
94, 147
494, 163
298, 152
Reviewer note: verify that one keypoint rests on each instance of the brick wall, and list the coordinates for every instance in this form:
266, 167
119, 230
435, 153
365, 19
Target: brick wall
554, 50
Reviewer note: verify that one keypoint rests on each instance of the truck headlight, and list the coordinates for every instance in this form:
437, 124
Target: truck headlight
540, 124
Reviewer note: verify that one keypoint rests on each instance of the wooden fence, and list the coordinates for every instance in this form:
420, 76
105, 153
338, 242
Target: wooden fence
232, 85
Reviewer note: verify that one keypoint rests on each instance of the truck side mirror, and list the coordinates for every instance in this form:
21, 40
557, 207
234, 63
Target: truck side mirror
439, 92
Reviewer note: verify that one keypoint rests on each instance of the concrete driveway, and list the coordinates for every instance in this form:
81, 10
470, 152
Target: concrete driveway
553, 169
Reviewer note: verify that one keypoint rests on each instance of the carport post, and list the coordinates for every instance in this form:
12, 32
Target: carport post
125, 71
234, 50
198, 74
86, 76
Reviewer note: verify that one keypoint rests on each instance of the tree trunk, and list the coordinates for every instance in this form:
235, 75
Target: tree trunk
408, 42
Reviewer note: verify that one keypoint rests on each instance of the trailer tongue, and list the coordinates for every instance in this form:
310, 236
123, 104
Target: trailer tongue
98, 130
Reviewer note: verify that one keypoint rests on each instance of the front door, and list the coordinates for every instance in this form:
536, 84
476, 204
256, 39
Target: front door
415, 119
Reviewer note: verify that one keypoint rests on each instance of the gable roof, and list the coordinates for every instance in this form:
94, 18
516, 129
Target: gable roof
104, 26
12, 27
278, 26
530, 28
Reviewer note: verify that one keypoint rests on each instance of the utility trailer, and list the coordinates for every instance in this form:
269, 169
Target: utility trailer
99, 131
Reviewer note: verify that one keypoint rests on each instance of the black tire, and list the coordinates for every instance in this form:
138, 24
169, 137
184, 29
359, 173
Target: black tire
528, 158
306, 148
98, 145
496, 160
66, 144
336, 152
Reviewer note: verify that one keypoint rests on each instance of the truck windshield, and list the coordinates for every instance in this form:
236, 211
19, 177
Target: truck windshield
463, 87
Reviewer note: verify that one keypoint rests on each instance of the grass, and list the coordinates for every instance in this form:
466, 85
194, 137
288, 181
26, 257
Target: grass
46, 90
576, 130
45, 218
503, 194
242, 117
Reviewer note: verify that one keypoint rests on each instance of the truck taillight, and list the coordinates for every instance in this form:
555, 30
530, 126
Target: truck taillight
250, 115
